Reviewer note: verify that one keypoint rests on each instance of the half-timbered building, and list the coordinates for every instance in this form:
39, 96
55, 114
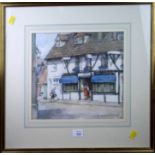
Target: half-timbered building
87, 66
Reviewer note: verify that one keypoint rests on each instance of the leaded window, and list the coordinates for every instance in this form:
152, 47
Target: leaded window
103, 88
70, 88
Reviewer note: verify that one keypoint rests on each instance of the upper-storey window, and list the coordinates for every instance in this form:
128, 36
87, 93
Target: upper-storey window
61, 39
118, 35
81, 38
78, 40
59, 43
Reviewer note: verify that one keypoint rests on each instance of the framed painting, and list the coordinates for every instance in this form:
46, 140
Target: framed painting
74, 76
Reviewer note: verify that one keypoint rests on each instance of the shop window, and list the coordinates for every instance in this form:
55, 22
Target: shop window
70, 88
103, 88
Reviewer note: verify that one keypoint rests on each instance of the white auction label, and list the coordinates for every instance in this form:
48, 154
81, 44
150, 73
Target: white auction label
77, 132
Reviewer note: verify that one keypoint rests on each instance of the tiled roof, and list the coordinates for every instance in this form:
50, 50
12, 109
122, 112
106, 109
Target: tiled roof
90, 47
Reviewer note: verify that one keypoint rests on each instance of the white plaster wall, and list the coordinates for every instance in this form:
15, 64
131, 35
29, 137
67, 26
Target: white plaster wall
82, 63
112, 98
72, 96
98, 63
66, 96
71, 65
60, 69
75, 96
109, 98
98, 97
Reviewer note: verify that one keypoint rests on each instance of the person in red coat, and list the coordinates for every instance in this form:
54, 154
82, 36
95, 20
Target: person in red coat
86, 92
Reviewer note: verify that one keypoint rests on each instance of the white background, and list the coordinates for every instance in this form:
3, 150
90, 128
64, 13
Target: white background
19, 137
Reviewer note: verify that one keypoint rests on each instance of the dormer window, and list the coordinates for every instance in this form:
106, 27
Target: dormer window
120, 36
86, 38
78, 40
59, 43
61, 40
81, 38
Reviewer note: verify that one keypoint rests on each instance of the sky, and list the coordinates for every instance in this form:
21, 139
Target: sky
44, 42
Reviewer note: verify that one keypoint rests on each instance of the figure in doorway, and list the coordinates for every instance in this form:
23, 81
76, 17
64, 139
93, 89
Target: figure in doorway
86, 92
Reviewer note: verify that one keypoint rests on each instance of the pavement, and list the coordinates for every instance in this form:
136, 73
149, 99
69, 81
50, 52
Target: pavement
77, 102
84, 109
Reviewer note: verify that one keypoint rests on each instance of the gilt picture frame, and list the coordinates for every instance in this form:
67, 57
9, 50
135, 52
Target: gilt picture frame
77, 76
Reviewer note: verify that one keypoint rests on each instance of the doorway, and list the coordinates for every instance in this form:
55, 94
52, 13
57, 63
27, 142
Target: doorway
85, 88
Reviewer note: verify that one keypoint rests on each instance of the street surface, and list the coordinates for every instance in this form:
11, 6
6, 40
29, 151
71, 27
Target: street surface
77, 110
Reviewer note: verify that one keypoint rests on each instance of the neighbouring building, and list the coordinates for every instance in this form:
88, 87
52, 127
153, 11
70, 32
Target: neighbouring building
39, 74
87, 66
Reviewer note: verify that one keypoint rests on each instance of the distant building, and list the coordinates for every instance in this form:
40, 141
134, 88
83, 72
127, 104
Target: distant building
86, 66
42, 83
39, 75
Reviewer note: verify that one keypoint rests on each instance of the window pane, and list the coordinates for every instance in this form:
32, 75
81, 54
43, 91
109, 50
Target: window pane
70, 88
103, 88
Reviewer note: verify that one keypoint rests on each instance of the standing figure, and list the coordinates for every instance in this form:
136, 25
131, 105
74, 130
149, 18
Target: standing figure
86, 92
53, 94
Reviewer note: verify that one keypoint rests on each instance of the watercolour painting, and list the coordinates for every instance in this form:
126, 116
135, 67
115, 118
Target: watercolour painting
77, 75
